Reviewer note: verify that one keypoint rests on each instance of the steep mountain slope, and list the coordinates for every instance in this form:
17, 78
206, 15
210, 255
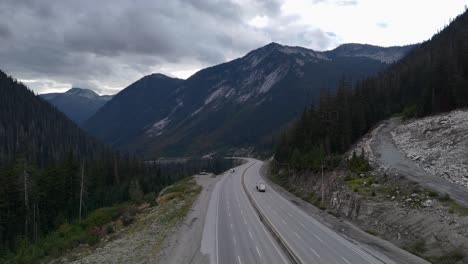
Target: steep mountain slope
33, 129
133, 109
235, 105
77, 103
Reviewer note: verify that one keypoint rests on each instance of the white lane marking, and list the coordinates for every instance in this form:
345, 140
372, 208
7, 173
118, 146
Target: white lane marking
290, 214
238, 258
346, 260
235, 241
244, 197
216, 230
298, 235
302, 224
250, 234
331, 233
258, 251
318, 238
231, 226
283, 221
315, 252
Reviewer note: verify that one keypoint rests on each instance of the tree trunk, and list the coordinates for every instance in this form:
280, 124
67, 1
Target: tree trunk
81, 188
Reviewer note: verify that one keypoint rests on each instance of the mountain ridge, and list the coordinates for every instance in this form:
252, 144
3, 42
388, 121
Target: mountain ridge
78, 104
207, 111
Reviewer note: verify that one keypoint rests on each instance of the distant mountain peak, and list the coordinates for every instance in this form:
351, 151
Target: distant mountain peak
159, 75
383, 54
77, 103
82, 92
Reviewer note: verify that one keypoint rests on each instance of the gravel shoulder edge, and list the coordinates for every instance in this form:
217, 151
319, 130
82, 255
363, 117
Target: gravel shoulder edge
183, 245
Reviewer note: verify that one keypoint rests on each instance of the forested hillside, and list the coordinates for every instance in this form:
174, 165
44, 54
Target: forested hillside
52, 172
432, 78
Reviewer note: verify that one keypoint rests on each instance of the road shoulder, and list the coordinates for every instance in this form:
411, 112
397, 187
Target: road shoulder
183, 245
379, 248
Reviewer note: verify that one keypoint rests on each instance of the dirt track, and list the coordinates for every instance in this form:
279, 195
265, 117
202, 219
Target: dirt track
391, 159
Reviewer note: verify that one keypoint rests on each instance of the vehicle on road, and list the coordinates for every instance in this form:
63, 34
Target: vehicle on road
260, 187
232, 171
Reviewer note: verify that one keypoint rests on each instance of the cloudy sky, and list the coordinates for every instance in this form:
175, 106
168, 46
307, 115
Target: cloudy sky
105, 45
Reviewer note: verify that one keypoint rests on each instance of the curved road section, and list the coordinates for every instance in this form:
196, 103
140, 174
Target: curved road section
234, 233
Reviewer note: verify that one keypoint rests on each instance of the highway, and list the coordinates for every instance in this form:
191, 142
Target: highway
233, 232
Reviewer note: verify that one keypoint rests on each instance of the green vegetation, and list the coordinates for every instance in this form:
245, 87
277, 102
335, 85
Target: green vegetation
432, 193
418, 248
174, 203
445, 198
184, 191
453, 257
359, 164
409, 112
87, 231
372, 232
362, 184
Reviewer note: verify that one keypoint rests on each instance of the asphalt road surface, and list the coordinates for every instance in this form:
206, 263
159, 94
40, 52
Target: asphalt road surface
233, 232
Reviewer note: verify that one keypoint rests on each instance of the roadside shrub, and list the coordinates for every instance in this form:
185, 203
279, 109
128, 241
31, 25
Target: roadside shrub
109, 229
418, 247
359, 164
348, 178
150, 198
453, 257
98, 218
432, 194
445, 198
135, 192
127, 219
409, 112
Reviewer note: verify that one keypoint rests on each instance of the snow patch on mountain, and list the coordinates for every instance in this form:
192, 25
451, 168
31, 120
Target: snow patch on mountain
272, 78
385, 57
158, 127
255, 60
196, 111
300, 62
244, 97
223, 91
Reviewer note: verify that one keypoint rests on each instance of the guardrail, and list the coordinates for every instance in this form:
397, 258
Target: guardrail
289, 252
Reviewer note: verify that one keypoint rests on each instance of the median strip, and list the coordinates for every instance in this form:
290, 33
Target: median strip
284, 246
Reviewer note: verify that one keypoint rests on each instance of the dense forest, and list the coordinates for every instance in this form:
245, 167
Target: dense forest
432, 78
52, 172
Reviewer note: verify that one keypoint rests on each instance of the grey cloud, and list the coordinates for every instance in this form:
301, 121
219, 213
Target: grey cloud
106, 45
4, 32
